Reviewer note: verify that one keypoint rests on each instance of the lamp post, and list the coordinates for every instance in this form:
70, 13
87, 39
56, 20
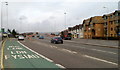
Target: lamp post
65, 19
55, 25
1, 21
107, 24
2, 3
6, 3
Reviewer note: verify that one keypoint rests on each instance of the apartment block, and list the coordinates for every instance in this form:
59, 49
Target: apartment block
112, 24
106, 26
93, 27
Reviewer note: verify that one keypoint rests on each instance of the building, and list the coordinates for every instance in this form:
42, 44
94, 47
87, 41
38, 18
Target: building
98, 27
112, 24
104, 27
76, 31
81, 31
93, 27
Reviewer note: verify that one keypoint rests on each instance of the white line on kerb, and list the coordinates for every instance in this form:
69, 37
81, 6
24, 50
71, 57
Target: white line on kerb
100, 59
36, 53
60, 66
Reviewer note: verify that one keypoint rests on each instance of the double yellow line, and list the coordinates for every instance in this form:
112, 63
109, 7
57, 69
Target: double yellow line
2, 55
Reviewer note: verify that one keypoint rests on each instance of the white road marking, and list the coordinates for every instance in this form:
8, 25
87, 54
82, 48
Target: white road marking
42, 56
51, 46
96, 49
100, 59
54, 46
104, 51
60, 66
36, 53
73, 52
66, 50
6, 57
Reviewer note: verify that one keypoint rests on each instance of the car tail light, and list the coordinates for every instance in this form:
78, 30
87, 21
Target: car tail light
56, 39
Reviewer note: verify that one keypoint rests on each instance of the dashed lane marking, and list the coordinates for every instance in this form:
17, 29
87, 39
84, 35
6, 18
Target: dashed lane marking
97, 50
66, 50
73, 52
98, 59
91, 57
104, 51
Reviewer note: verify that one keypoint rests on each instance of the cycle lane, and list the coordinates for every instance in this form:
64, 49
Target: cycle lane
18, 56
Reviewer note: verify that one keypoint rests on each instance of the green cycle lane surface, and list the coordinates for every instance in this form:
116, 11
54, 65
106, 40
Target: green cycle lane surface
17, 56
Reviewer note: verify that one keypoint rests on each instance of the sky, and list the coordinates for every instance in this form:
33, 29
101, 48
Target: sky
49, 15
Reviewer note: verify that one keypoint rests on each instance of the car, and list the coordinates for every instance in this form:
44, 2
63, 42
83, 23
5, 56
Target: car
41, 37
33, 36
67, 38
37, 36
20, 37
57, 40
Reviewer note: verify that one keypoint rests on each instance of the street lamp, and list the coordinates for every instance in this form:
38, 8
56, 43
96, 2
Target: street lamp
65, 19
6, 3
107, 23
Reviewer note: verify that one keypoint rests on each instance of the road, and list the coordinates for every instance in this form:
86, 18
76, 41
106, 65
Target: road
67, 55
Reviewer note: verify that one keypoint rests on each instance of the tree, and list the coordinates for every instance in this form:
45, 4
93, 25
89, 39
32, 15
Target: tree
9, 31
14, 33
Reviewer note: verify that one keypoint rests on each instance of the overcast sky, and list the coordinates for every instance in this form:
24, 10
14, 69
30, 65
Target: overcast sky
48, 15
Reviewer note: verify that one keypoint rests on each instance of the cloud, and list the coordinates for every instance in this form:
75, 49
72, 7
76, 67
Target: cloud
61, 0
49, 16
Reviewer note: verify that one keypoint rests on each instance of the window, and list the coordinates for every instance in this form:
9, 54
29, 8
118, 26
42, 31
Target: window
111, 29
91, 25
117, 14
111, 22
111, 16
105, 17
111, 34
105, 23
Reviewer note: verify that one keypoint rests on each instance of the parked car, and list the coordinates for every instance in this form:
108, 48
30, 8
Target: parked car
21, 38
56, 40
41, 37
